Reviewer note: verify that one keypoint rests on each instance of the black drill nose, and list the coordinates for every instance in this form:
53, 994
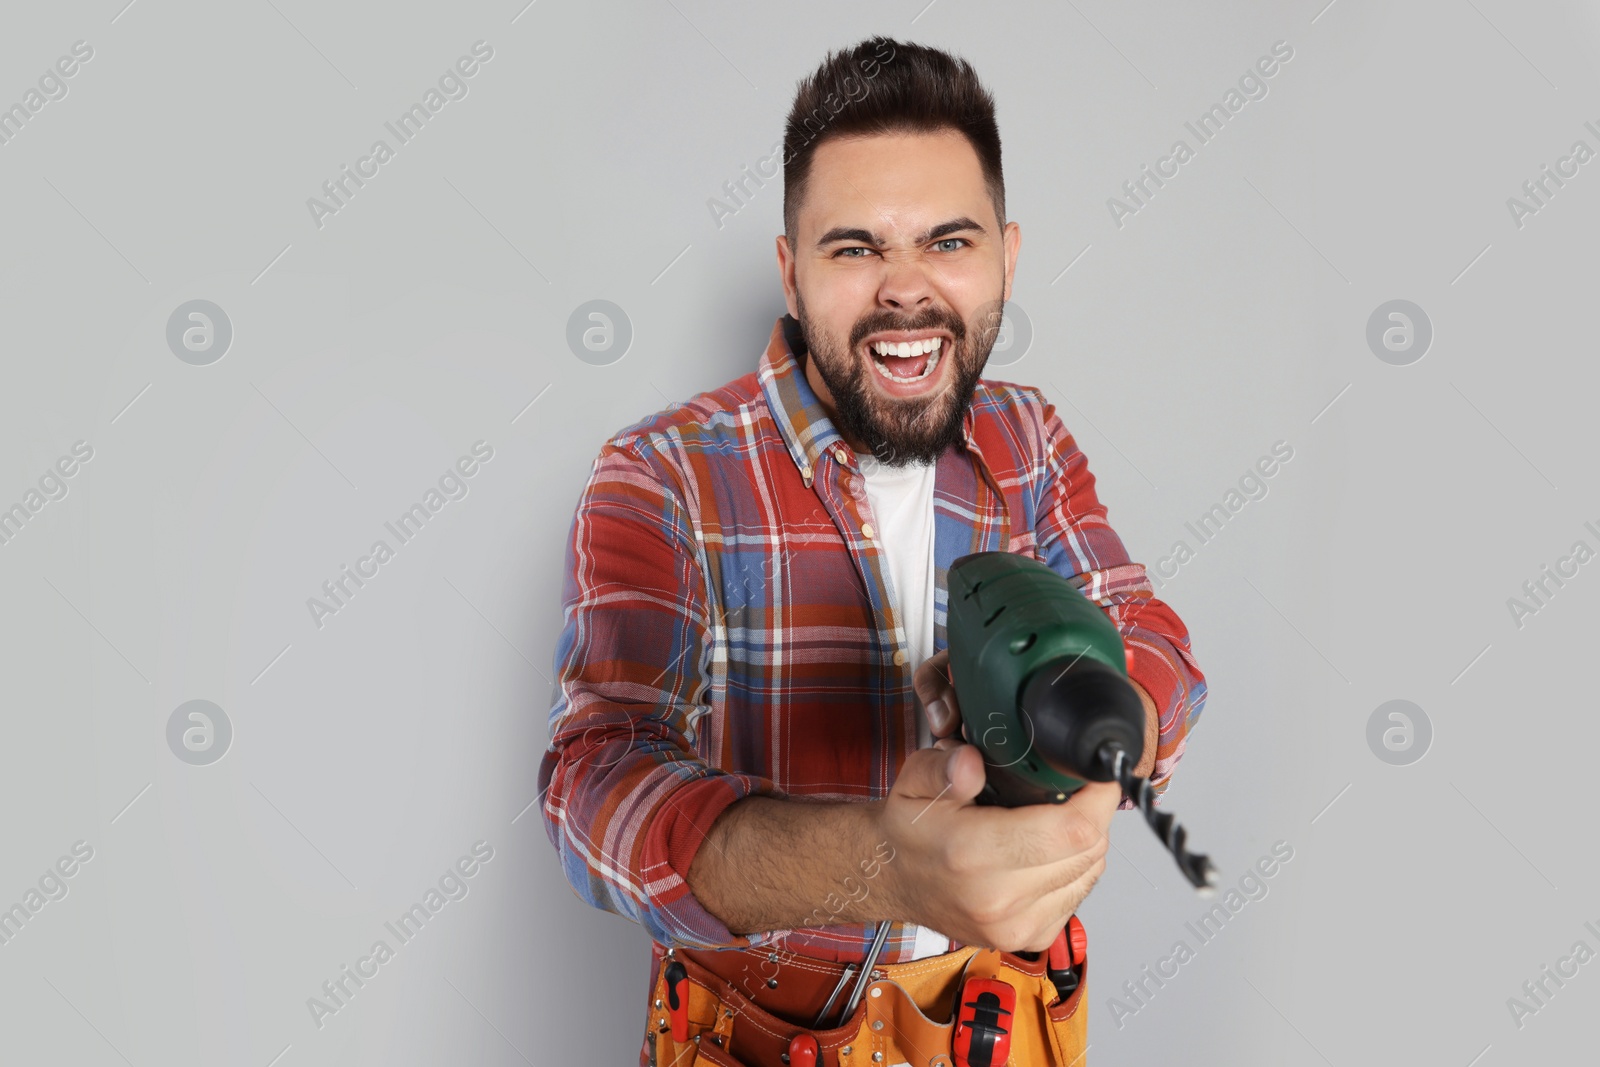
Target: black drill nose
1074, 708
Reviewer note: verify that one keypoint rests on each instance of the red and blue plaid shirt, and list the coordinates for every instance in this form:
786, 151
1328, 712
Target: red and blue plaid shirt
729, 631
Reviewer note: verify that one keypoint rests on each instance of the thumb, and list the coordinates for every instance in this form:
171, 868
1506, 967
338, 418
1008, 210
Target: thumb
964, 773
951, 772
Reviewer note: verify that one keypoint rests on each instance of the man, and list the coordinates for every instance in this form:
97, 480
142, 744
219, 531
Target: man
753, 662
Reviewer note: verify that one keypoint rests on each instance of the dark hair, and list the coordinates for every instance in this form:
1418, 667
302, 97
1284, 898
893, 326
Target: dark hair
886, 86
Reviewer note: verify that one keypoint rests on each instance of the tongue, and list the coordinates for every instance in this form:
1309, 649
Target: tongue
905, 366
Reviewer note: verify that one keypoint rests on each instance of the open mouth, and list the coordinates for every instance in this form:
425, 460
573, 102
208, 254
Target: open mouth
906, 362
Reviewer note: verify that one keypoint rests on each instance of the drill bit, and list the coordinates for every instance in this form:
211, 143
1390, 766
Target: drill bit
1196, 866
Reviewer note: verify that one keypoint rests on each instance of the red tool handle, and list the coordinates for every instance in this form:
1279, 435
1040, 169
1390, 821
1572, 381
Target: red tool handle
1060, 951
678, 1000
803, 1051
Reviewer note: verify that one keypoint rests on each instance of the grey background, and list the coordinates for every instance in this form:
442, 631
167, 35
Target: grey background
367, 355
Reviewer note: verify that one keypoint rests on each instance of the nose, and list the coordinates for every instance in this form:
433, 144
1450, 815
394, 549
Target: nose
906, 286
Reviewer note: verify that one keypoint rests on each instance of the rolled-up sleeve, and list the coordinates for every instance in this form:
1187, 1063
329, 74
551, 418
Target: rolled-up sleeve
627, 801
1075, 540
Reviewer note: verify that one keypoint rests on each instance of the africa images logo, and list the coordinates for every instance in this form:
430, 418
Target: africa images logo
454, 885
453, 85
1206, 128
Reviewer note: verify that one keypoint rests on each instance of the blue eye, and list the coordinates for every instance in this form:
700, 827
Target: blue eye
951, 240
853, 248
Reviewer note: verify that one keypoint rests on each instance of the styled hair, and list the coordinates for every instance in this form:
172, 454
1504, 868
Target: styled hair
886, 86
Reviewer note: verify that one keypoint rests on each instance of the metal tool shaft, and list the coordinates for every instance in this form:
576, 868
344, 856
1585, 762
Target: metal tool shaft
864, 975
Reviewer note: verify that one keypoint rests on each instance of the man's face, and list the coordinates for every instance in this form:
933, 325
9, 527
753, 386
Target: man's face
898, 244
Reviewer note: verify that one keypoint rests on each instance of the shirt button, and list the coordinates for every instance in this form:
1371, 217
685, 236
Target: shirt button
840, 453
866, 530
900, 657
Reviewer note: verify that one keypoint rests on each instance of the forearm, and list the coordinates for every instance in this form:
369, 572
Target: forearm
771, 864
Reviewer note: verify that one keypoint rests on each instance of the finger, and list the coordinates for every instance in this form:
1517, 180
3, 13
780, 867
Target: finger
1043, 870
1042, 836
1048, 895
942, 715
932, 678
1088, 813
938, 694
1064, 901
1096, 801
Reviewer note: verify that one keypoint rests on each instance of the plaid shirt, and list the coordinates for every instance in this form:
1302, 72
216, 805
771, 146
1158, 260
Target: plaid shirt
729, 631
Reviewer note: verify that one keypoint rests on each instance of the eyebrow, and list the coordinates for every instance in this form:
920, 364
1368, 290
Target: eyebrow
944, 229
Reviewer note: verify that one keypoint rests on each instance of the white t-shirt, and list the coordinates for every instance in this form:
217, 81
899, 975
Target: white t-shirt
901, 500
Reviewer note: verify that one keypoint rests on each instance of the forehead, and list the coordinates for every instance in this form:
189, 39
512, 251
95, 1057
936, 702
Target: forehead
895, 184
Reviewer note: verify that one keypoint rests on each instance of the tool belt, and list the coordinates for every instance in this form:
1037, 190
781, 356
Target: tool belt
972, 1007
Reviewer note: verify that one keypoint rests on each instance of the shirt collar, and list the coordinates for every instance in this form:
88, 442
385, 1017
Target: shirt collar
806, 428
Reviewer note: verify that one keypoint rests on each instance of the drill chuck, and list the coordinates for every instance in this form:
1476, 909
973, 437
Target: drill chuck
1076, 710
1068, 711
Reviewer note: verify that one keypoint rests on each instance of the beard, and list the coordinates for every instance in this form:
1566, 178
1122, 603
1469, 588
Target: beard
901, 431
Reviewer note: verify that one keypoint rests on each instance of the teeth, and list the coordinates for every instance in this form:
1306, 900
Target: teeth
904, 348
933, 364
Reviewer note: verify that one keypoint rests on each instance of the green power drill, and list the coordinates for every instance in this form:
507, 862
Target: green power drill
1041, 677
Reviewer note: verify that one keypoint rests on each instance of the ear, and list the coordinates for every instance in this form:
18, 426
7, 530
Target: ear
786, 274
1013, 243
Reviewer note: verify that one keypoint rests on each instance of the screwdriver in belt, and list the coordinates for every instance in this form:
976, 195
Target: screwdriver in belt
863, 975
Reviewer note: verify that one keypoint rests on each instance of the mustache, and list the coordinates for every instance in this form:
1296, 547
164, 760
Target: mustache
928, 319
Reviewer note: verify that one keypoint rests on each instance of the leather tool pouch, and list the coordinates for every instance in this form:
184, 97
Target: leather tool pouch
745, 1005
